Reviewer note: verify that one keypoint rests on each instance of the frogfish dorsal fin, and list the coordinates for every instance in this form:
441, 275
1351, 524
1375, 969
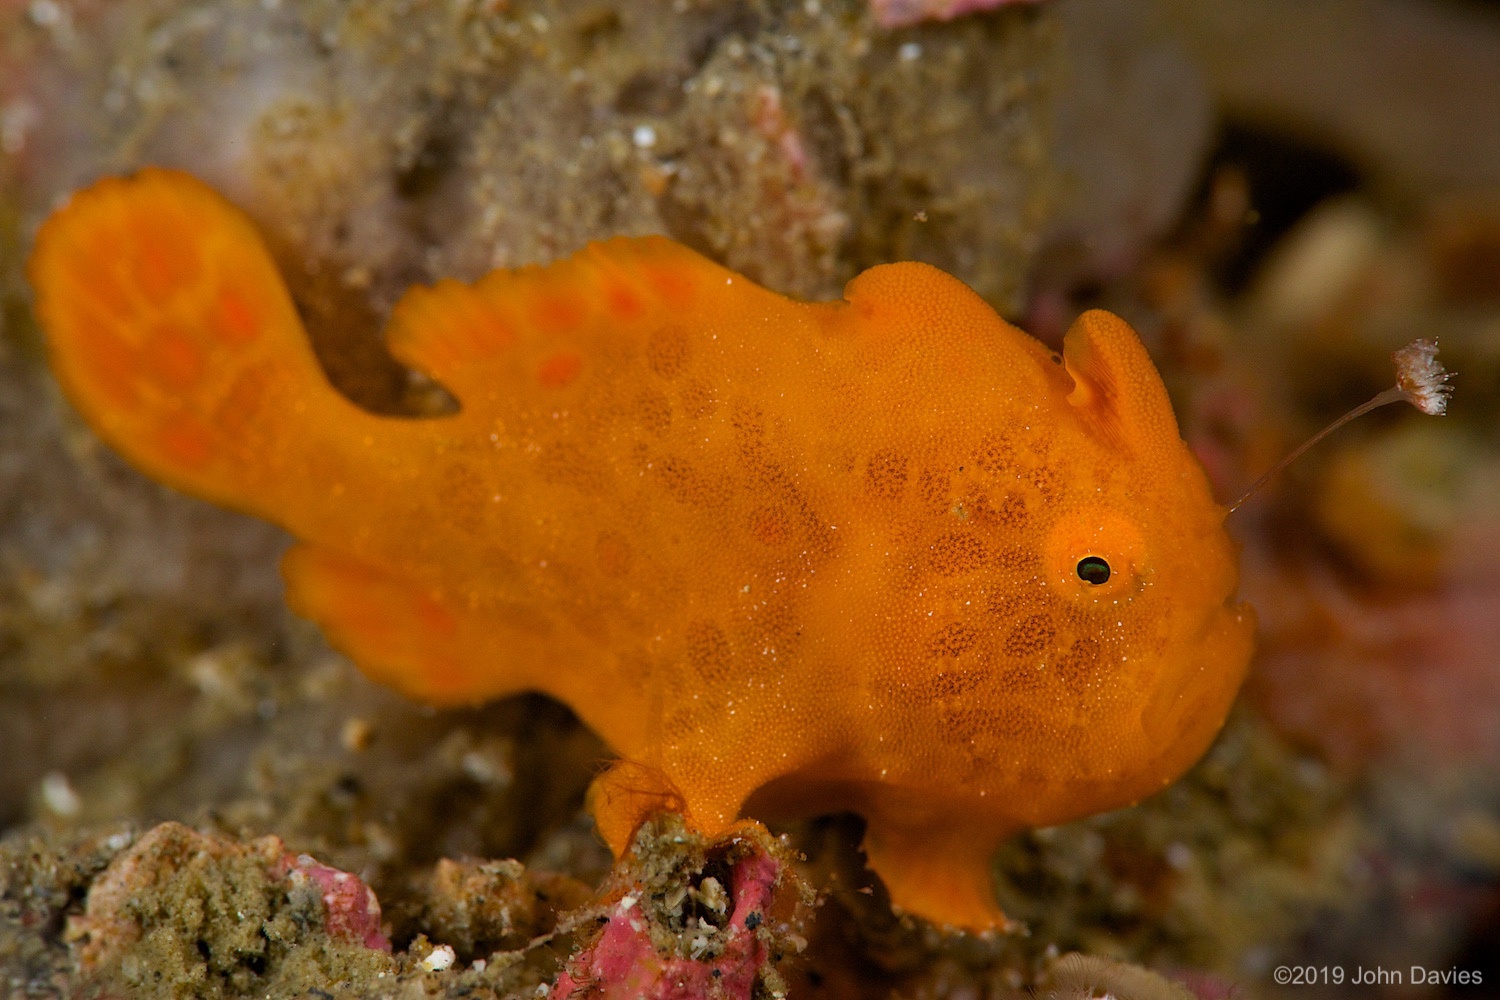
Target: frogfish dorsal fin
463, 335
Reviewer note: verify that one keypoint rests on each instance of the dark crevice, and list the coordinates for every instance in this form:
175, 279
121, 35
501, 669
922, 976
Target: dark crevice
1284, 178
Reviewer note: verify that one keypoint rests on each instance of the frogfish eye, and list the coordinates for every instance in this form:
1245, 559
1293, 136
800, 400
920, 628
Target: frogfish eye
1092, 569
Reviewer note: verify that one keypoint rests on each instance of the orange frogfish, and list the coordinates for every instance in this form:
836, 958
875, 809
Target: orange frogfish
888, 555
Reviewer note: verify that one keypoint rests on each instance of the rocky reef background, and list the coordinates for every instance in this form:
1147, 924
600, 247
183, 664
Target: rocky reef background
1276, 192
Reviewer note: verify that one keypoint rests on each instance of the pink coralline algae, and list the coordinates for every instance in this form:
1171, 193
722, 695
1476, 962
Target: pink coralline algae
625, 964
175, 883
901, 13
769, 117
353, 912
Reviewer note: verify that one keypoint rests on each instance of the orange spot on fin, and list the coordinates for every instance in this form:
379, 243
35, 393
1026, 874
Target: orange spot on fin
112, 365
557, 313
234, 318
559, 370
174, 355
163, 264
622, 303
186, 441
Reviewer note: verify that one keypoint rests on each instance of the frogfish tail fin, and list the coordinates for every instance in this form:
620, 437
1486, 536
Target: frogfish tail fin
171, 330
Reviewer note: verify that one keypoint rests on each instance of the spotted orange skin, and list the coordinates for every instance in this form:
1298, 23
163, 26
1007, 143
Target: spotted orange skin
786, 558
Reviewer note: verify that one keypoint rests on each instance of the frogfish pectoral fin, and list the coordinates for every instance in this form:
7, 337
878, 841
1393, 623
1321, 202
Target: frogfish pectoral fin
630, 792
939, 873
626, 795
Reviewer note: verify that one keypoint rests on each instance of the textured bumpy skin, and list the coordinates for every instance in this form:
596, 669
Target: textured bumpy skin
786, 558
